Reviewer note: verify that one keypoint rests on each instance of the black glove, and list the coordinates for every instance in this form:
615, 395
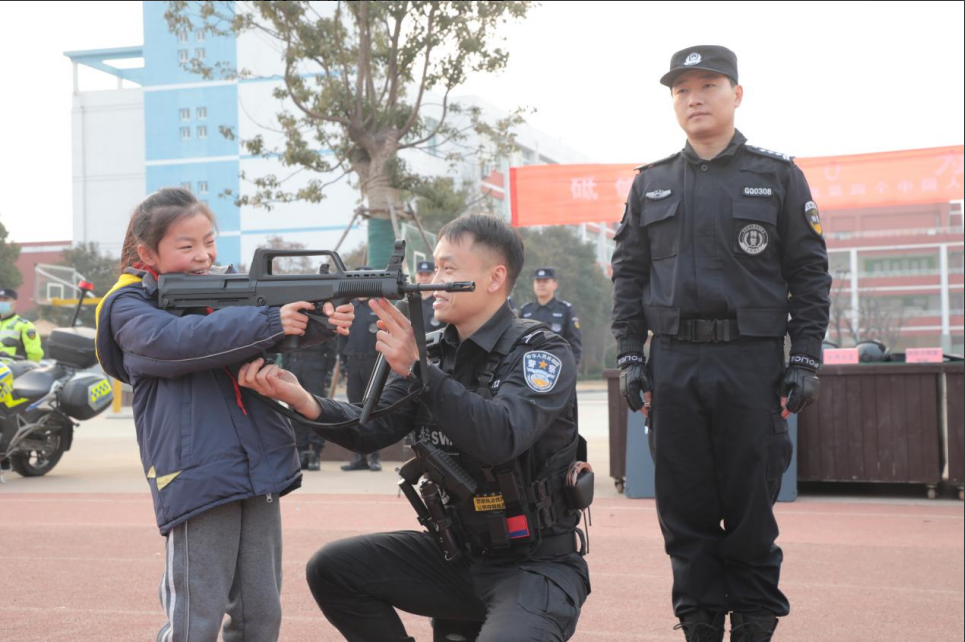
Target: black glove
801, 385
634, 380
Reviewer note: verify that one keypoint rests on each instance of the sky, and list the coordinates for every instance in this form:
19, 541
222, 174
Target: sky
819, 79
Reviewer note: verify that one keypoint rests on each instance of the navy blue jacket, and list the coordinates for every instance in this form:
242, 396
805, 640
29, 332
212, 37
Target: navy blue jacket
203, 440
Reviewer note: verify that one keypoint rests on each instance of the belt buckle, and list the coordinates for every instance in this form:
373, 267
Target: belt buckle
705, 330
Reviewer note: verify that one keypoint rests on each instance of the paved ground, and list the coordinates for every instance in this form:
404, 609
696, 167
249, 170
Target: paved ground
82, 557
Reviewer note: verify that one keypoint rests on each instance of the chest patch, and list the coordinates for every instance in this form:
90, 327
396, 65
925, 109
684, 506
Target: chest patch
753, 239
658, 194
541, 370
757, 191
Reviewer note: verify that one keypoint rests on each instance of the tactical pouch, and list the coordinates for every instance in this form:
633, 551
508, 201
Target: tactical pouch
579, 486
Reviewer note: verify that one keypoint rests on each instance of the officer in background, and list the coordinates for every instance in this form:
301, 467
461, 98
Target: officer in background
425, 271
555, 313
16, 330
313, 366
720, 254
358, 356
502, 403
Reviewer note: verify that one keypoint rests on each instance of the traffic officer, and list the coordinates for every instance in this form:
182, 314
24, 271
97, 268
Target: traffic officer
313, 366
555, 313
425, 272
358, 356
502, 403
720, 254
16, 330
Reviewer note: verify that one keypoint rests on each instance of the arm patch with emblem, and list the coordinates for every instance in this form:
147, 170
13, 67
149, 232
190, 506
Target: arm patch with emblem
541, 370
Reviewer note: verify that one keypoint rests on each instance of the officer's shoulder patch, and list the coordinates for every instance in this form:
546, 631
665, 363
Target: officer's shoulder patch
813, 218
647, 166
31, 334
541, 370
576, 322
769, 153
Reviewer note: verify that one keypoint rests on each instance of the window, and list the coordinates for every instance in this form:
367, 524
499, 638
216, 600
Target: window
185, 114
202, 132
186, 186
185, 133
202, 113
182, 35
955, 216
200, 36
202, 187
199, 54
182, 55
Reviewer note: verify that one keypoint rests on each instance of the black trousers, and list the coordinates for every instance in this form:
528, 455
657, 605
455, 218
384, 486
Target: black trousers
358, 369
720, 446
359, 582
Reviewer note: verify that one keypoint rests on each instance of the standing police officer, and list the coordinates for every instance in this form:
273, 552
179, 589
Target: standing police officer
425, 272
555, 313
720, 244
502, 403
17, 330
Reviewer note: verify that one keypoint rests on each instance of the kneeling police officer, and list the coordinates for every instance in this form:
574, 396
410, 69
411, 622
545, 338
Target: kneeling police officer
501, 407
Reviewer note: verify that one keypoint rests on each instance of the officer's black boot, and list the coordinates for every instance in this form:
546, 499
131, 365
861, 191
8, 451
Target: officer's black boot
751, 628
313, 462
703, 626
374, 462
358, 463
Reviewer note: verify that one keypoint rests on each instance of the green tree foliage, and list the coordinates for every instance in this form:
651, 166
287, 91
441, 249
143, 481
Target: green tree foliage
10, 276
355, 89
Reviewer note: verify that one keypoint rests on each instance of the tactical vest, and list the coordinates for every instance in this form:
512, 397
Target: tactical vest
518, 503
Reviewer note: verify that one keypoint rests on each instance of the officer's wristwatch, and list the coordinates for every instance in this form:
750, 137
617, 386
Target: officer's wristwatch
414, 371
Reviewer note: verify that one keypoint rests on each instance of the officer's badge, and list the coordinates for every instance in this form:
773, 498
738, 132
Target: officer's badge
576, 323
373, 328
434, 322
753, 239
556, 327
811, 214
692, 59
31, 334
541, 370
658, 194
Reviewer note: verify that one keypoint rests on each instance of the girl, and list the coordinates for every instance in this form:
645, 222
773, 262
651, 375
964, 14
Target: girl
215, 459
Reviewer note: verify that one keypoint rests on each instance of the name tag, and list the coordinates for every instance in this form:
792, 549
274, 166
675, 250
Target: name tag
489, 502
757, 191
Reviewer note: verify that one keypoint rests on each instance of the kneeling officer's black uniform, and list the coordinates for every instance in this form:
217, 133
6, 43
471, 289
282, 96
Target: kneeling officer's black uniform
502, 403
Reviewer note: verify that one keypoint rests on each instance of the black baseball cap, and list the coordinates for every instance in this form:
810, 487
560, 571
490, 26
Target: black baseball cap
426, 266
714, 58
545, 273
8, 293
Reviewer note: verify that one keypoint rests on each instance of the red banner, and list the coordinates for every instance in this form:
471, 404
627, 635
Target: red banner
574, 194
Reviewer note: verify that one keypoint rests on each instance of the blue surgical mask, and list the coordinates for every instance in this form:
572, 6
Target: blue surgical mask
6, 308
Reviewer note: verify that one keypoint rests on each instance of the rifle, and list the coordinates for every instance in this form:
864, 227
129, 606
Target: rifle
433, 468
262, 287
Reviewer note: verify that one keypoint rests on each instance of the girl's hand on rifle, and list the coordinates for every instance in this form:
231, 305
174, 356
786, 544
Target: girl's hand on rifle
294, 322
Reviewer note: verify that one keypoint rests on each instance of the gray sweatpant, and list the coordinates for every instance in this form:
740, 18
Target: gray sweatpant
225, 560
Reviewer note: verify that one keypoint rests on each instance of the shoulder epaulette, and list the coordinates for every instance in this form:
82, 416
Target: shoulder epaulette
566, 303
769, 153
646, 166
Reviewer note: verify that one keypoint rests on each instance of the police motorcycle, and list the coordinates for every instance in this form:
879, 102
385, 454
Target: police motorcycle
40, 403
